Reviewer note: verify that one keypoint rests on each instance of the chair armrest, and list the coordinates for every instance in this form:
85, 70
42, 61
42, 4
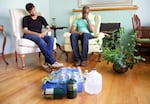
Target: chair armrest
16, 36
49, 33
101, 35
67, 34
144, 28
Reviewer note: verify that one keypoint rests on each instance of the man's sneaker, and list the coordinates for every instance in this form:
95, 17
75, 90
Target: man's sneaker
46, 65
84, 63
77, 63
57, 65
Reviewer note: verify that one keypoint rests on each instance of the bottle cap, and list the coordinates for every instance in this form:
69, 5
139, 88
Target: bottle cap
86, 70
94, 69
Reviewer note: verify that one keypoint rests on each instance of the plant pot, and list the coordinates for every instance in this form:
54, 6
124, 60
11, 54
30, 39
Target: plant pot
120, 68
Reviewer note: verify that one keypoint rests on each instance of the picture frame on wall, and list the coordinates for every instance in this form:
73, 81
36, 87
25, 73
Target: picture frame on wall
105, 3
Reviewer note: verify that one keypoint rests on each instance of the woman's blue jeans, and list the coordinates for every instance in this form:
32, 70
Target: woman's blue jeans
84, 45
45, 44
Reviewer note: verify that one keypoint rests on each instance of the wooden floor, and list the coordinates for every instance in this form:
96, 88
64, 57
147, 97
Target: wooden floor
24, 86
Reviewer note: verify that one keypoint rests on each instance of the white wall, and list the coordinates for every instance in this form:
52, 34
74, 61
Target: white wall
143, 11
61, 10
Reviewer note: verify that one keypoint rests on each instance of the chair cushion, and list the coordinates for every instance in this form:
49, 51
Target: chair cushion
143, 40
26, 43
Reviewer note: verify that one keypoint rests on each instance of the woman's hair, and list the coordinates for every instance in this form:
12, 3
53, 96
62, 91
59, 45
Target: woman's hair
29, 6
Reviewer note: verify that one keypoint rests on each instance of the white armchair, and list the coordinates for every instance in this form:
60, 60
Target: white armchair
22, 46
95, 44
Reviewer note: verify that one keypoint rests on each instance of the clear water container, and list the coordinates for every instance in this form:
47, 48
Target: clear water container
93, 83
85, 75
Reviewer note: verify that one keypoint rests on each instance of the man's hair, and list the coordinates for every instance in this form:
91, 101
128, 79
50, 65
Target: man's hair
85, 8
29, 6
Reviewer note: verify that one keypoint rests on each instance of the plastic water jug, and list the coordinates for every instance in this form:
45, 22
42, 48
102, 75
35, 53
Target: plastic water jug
93, 83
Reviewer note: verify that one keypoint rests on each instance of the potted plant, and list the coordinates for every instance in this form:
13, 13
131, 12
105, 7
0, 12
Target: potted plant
121, 51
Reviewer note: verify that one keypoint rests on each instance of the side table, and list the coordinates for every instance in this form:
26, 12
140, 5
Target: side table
4, 43
56, 28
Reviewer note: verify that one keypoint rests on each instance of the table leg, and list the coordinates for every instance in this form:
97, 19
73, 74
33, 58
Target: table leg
3, 56
58, 45
4, 43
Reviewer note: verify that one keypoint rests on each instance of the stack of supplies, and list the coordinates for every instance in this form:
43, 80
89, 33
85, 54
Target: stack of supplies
55, 84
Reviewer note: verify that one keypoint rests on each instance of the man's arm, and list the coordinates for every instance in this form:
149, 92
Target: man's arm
91, 26
74, 31
27, 31
45, 31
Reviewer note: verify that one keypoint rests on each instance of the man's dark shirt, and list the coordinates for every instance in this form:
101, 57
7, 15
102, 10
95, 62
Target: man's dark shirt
34, 25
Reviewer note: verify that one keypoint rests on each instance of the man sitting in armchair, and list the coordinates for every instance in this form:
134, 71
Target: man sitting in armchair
82, 29
32, 28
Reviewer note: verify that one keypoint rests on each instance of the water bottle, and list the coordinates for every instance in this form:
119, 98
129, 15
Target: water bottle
85, 74
80, 75
79, 71
75, 76
62, 77
79, 79
93, 83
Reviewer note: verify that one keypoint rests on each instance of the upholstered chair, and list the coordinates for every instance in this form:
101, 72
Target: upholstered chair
95, 44
22, 46
143, 35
